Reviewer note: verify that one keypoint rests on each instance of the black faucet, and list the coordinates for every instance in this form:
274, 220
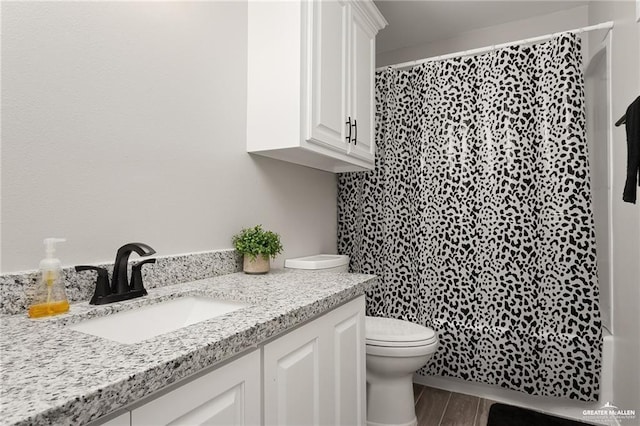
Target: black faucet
120, 288
120, 283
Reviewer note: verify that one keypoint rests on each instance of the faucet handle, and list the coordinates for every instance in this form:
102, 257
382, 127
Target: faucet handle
102, 283
136, 275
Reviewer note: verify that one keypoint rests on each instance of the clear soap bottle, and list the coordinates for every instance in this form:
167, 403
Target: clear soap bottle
49, 297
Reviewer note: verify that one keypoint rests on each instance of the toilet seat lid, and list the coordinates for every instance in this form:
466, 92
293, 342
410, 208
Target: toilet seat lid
394, 332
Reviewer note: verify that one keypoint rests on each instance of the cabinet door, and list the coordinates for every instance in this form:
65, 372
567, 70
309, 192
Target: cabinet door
326, 63
122, 420
296, 389
229, 395
361, 91
315, 375
349, 371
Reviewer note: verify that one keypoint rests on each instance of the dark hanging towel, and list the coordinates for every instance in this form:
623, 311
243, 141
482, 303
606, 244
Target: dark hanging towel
632, 118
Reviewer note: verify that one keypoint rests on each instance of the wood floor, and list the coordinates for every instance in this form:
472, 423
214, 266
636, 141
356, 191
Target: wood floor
436, 407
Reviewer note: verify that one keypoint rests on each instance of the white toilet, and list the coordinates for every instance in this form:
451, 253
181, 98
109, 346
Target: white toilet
395, 350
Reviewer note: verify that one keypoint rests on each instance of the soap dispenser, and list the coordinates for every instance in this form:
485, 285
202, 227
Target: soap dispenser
49, 297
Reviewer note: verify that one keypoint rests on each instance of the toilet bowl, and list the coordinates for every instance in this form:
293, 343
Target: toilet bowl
395, 350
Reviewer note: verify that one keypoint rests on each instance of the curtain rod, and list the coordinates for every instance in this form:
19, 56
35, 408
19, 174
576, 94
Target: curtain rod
604, 25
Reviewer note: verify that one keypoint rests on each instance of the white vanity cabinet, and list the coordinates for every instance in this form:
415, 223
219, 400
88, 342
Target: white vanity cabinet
122, 420
316, 373
310, 82
229, 395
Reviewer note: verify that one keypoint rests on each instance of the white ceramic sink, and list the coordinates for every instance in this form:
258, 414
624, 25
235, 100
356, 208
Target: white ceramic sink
149, 321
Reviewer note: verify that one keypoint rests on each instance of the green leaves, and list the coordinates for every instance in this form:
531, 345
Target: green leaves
256, 241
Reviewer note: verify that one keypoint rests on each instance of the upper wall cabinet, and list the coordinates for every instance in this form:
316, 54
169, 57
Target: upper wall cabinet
311, 81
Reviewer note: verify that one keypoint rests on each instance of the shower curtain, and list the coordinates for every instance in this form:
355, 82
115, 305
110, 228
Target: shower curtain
477, 217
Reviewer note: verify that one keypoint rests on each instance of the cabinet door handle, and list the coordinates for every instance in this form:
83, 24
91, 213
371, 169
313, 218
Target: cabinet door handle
355, 135
348, 123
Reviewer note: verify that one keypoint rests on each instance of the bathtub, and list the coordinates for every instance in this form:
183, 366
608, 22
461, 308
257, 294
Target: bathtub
556, 406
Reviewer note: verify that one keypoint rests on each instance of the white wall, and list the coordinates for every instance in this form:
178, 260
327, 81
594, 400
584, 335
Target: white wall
125, 121
516, 30
625, 80
597, 83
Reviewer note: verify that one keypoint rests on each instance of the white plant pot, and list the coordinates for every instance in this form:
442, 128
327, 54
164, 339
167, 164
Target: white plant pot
257, 266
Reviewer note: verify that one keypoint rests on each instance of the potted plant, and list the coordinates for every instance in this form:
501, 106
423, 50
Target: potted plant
257, 246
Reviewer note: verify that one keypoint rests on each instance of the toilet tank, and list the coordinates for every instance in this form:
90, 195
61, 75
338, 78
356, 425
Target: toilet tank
320, 262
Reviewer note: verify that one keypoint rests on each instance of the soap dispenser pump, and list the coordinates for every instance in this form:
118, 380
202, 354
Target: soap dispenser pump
49, 297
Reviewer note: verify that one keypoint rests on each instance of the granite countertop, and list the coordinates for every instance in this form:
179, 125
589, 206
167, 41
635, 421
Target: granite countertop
51, 374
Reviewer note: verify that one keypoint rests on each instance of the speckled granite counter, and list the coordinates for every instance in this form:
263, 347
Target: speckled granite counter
53, 375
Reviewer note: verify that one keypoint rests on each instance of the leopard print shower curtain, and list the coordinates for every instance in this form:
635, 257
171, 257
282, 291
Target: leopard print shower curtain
477, 217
